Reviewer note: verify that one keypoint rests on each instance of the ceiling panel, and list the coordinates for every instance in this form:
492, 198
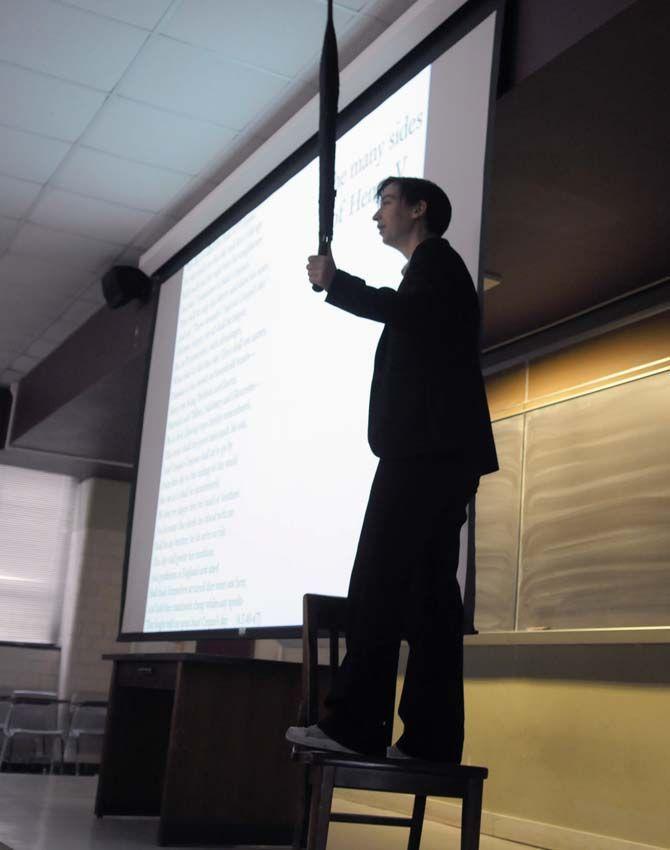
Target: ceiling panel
42, 348
67, 42
13, 343
88, 216
141, 13
199, 83
149, 234
150, 135
122, 181
355, 5
80, 311
17, 196
291, 32
93, 293
42, 104
362, 30
59, 330
24, 363
8, 227
385, 10
40, 281
28, 156
67, 248
23, 317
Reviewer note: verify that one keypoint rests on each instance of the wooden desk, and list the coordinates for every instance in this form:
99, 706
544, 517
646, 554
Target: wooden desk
199, 741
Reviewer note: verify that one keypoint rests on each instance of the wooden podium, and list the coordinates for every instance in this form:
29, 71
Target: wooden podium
198, 740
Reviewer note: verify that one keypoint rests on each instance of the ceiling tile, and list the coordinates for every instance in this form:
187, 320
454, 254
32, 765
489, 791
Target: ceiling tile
5, 359
192, 194
42, 348
289, 36
145, 14
24, 363
386, 10
147, 134
9, 376
80, 311
17, 196
67, 248
200, 83
130, 257
93, 293
362, 31
101, 175
88, 216
28, 156
150, 234
26, 315
8, 228
42, 104
12, 342
244, 145
354, 5
59, 330
34, 281
67, 42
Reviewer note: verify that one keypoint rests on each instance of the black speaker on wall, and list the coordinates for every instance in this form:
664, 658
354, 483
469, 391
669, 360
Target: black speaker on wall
123, 283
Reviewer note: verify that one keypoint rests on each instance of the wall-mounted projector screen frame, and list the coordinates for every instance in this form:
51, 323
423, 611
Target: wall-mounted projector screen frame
446, 35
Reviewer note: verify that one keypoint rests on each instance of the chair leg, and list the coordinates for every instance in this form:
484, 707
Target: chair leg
322, 798
471, 816
417, 823
302, 818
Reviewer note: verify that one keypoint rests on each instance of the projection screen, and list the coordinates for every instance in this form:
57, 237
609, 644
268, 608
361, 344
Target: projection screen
254, 468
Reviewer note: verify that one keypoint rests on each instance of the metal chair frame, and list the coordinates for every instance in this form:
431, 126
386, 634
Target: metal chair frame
36, 698
76, 733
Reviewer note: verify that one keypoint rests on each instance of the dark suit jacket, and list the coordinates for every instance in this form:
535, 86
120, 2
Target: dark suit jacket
427, 393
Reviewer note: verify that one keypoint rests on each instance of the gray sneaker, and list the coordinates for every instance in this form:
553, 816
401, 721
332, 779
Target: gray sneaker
315, 738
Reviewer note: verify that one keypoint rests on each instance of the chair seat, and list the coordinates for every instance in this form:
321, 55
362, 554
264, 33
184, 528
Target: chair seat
45, 733
411, 776
313, 757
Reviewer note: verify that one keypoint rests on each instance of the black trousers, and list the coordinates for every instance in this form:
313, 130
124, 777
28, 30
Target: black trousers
403, 585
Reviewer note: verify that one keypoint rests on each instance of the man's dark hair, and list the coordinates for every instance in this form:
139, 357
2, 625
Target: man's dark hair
415, 189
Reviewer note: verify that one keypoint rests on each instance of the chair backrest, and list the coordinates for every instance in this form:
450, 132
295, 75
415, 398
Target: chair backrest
321, 616
5, 708
88, 718
88, 697
20, 694
39, 715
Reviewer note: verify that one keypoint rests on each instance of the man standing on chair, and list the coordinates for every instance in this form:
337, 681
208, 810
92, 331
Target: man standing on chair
429, 425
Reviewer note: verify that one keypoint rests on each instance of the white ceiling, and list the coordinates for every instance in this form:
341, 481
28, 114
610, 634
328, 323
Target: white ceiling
118, 116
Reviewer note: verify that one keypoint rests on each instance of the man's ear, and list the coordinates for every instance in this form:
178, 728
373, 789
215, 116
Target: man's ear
419, 209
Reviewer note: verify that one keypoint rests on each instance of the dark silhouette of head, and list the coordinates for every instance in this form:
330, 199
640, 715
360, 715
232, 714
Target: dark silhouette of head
415, 189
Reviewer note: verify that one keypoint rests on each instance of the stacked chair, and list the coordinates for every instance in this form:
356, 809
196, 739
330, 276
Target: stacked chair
36, 715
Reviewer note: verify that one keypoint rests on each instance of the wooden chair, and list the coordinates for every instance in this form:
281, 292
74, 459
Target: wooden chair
325, 771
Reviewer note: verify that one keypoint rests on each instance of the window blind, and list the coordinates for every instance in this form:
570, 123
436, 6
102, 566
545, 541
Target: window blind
36, 515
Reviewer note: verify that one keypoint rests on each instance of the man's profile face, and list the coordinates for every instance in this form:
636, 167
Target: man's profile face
394, 217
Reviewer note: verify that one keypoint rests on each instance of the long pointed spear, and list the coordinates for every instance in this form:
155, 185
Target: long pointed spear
329, 92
